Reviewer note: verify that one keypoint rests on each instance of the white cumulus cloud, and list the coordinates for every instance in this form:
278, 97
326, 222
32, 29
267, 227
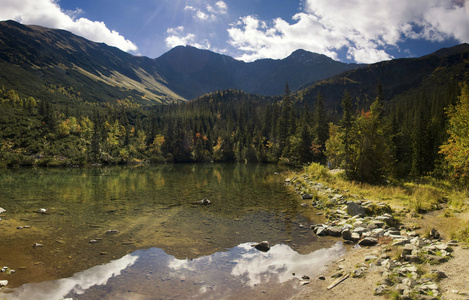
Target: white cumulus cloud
209, 12
365, 28
49, 14
177, 37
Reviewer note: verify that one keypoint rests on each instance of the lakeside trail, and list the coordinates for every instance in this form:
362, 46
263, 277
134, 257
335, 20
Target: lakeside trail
403, 261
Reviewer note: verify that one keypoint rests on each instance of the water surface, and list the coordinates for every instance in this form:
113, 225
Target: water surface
140, 230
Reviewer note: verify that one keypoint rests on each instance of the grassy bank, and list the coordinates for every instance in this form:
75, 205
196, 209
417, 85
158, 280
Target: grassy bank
421, 203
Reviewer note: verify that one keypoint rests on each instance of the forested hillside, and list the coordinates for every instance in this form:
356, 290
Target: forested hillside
373, 143
388, 120
224, 126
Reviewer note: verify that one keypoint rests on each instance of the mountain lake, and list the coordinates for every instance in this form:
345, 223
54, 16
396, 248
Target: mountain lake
139, 233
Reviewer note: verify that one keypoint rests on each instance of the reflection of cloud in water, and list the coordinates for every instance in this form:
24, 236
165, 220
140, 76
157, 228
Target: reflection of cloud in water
78, 283
280, 262
230, 274
253, 267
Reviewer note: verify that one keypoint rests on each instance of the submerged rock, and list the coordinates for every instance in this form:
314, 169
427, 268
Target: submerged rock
262, 246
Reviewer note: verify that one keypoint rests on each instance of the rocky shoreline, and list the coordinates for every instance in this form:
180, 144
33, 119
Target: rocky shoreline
404, 260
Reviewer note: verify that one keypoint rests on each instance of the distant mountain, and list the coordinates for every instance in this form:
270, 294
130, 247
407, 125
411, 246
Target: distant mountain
191, 72
60, 66
400, 78
34, 58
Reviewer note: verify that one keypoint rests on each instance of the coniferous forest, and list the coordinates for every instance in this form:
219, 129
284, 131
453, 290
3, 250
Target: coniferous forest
372, 140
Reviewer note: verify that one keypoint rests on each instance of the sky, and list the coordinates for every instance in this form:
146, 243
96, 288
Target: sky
361, 31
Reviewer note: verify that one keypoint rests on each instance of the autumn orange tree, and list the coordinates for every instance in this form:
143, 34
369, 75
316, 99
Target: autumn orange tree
456, 149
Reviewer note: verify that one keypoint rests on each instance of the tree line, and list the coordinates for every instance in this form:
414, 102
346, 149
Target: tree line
419, 134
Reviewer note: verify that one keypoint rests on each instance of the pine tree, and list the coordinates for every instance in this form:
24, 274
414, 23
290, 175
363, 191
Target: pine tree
346, 123
320, 127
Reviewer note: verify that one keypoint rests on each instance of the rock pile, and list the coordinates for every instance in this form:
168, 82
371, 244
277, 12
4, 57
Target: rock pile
365, 223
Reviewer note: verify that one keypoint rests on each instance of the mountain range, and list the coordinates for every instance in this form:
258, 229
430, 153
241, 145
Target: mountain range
49, 63
37, 56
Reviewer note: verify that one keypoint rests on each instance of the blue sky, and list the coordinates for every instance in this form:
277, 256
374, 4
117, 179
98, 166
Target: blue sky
363, 31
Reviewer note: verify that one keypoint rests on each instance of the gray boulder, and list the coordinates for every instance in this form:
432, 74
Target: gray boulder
347, 234
368, 241
434, 234
321, 231
334, 231
354, 209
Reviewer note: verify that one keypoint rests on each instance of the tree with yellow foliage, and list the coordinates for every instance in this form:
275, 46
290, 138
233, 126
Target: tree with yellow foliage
456, 149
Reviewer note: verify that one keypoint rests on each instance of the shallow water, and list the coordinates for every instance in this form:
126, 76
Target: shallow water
162, 245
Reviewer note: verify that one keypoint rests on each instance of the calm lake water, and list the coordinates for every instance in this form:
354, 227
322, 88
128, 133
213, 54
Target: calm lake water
136, 233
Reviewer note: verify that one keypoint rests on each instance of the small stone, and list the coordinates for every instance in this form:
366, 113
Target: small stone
42, 211
321, 231
306, 196
3, 283
368, 241
334, 231
2, 210
19, 227
435, 258
337, 275
380, 289
355, 236
37, 245
322, 277
93, 241
204, 201
262, 246
347, 234
434, 234
370, 257
305, 282
112, 231
103, 253
439, 274
378, 223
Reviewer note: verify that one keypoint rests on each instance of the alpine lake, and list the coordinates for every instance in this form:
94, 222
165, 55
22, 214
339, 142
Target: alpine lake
139, 233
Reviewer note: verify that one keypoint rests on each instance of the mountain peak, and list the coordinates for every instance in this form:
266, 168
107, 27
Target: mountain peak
304, 56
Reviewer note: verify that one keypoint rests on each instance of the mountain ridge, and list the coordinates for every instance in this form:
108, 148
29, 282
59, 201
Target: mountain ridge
33, 58
264, 77
45, 56
398, 76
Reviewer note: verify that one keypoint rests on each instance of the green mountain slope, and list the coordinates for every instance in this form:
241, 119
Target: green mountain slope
34, 58
398, 77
